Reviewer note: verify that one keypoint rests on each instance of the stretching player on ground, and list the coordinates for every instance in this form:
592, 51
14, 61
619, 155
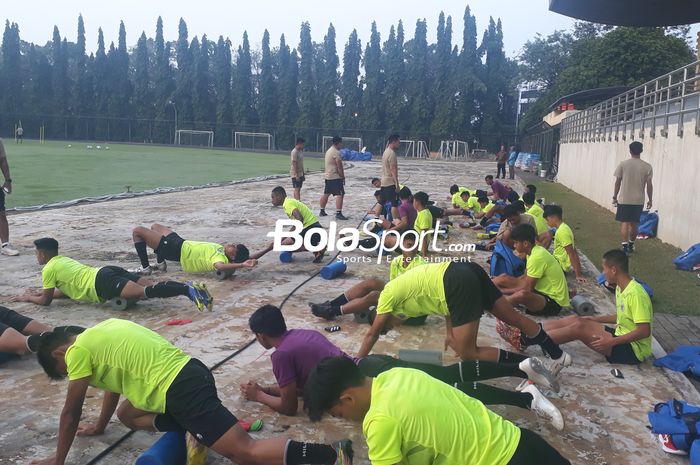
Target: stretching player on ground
298, 351
410, 417
629, 342
564, 246
19, 334
194, 256
164, 389
65, 277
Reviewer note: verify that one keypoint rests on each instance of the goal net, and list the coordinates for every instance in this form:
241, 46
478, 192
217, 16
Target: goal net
422, 150
252, 141
194, 138
407, 148
352, 143
454, 150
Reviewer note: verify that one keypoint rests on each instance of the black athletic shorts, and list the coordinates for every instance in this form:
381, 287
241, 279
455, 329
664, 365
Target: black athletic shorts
11, 319
628, 213
389, 194
111, 280
334, 187
193, 403
170, 247
2, 199
622, 353
534, 450
513, 197
551, 307
315, 238
297, 183
468, 291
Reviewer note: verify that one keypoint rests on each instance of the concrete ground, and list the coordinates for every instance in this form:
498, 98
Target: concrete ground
605, 416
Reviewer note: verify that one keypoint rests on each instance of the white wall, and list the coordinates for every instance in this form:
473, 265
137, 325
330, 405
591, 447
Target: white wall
588, 168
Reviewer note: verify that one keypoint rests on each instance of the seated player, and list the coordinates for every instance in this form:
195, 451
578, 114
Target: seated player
298, 351
455, 194
194, 256
500, 191
629, 342
544, 238
564, 246
424, 221
409, 417
460, 292
377, 209
296, 210
65, 277
164, 389
19, 334
542, 290
511, 219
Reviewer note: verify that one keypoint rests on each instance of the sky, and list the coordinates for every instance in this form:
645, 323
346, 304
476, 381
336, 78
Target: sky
522, 19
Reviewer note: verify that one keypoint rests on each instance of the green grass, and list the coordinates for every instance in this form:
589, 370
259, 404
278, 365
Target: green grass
53, 172
596, 232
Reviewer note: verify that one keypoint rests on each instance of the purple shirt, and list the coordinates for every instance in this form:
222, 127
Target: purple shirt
406, 209
299, 351
500, 190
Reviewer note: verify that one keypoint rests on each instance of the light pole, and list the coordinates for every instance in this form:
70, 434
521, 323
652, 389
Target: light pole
174, 108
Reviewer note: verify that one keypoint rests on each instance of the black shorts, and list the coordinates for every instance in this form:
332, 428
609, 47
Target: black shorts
297, 183
315, 238
111, 280
534, 450
436, 212
2, 199
628, 213
170, 247
193, 403
11, 319
622, 353
334, 187
389, 195
551, 307
468, 292
513, 196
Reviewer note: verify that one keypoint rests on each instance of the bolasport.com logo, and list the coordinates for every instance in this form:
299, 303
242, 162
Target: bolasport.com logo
287, 237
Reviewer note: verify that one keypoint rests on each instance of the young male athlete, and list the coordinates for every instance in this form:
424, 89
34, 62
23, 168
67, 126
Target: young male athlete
296, 171
409, 417
164, 389
500, 191
564, 245
194, 256
423, 222
511, 218
298, 351
335, 179
629, 342
534, 209
390, 175
6, 187
19, 334
65, 277
542, 289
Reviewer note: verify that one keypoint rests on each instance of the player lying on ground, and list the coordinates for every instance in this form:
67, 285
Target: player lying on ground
164, 389
19, 334
194, 256
65, 277
564, 245
410, 417
460, 292
298, 351
542, 289
630, 341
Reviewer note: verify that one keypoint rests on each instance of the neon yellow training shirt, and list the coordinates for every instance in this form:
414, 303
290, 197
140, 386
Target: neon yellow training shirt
396, 268
457, 200
562, 238
415, 419
424, 221
634, 307
307, 215
122, 357
71, 277
417, 292
487, 208
540, 223
200, 257
550, 277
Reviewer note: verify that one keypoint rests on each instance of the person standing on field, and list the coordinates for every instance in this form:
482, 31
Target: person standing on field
335, 179
297, 169
501, 158
6, 189
390, 175
632, 176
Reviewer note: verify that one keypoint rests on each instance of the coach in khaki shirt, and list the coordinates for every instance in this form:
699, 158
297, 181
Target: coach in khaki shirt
296, 171
390, 175
632, 176
335, 179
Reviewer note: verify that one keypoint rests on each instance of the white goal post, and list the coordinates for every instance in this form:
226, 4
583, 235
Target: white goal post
252, 141
407, 148
422, 150
194, 138
352, 143
454, 150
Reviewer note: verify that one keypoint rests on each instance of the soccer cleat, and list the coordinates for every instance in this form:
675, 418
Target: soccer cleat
339, 216
343, 449
539, 374
195, 296
162, 266
560, 363
668, 446
543, 407
141, 271
206, 295
9, 251
196, 452
324, 310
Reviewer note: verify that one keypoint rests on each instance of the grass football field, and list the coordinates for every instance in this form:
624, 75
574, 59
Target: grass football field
54, 171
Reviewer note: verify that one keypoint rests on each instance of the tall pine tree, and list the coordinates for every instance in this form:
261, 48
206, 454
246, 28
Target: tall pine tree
420, 81
201, 98
288, 72
308, 97
243, 110
222, 90
164, 86
442, 122
268, 100
144, 109
328, 80
395, 80
350, 90
372, 97
185, 77
12, 73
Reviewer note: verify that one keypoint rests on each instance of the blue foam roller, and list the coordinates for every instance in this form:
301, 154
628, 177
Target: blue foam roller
6, 356
333, 270
168, 450
286, 257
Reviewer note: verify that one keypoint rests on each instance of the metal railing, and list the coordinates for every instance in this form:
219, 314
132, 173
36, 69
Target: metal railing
672, 99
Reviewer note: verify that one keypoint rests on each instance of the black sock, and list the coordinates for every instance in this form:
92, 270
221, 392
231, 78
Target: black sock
166, 289
339, 212
164, 422
323, 210
340, 300
484, 221
510, 357
473, 370
33, 341
307, 453
142, 252
491, 395
543, 340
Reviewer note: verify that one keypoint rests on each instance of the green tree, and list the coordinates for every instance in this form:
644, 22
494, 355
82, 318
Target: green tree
544, 58
142, 91
350, 90
201, 95
395, 80
419, 82
243, 110
82, 91
469, 71
185, 76
268, 100
288, 72
308, 97
59, 84
328, 80
371, 115
120, 97
164, 86
222, 90
102, 88
496, 113
12, 73
444, 86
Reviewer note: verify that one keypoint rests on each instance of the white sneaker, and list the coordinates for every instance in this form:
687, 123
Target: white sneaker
544, 408
162, 266
539, 374
7, 250
141, 271
560, 363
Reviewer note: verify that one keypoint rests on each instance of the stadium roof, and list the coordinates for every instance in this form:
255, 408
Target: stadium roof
630, 12
599, 94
